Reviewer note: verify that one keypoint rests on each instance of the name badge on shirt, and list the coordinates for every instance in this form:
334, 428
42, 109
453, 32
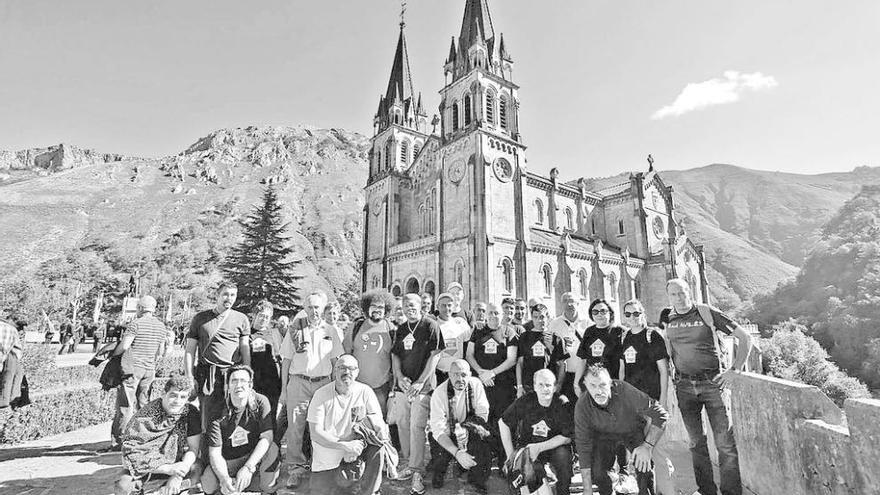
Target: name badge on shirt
258, 345
451, 345
598, 348
490, 347
540, 429
408, 342
239, 437
538, 349
629, 355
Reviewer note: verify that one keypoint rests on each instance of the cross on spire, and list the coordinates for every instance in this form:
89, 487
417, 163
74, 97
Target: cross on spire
402, 13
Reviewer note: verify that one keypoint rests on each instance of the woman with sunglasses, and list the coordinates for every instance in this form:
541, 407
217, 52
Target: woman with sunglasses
645, 361
601, 343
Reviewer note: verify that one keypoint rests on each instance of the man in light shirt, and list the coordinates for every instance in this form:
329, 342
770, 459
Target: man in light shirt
455, 331
308, 352
569, 326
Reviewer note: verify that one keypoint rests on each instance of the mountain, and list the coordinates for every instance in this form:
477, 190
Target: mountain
174, 217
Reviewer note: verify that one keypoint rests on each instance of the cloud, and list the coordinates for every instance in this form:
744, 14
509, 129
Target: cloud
718, 91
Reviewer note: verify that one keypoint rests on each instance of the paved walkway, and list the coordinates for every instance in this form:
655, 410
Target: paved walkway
70, 464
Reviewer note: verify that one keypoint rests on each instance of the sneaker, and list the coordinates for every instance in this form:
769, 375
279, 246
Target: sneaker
418, 487
295, 478
404, 475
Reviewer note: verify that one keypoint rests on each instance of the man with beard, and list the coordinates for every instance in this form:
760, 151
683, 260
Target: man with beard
458, 424
541, 421
370, 341
614, 414
456, 332
217, 339
161, 442
266, 354
337, 412
242, 455
570, 327
308, 352
414, 357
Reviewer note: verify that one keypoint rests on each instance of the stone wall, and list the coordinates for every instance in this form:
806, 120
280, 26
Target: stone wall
793, 439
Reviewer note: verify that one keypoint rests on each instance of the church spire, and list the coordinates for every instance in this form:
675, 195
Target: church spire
399, 105
400, 82
476, 25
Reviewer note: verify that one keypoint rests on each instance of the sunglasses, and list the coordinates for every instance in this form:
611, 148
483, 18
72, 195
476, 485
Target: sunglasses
600, 311
634, 313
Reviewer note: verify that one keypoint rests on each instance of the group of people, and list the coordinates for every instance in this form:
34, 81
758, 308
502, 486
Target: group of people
416, 385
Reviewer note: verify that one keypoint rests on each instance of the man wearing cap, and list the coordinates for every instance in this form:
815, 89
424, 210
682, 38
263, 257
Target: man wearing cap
456, 332
140, 346
307, 356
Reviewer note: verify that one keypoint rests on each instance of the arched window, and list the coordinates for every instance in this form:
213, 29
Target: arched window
620, 227
637, 289
404, 151
490, 107
458, 272
389, 153
423, 224
375, 281
454, 116
416, 149
395, 290
547, 275
467, 110
507, 274
692, 284
569, 219
612, 287
502, 111
584, 282
593, 225
539, 212
378, 160
412, 286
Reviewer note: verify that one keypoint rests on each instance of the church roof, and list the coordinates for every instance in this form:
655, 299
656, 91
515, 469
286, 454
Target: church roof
400, 83
476, 25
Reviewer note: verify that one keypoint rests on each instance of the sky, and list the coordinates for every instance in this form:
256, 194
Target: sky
773, 85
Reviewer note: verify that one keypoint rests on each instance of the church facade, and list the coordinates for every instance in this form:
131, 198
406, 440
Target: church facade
451, 199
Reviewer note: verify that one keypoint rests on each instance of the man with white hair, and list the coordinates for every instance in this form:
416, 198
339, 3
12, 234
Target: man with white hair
457, 292
308, 352
458, 425
140, 347
570, 327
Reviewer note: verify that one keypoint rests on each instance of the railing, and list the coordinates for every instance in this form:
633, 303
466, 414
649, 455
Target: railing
414, 245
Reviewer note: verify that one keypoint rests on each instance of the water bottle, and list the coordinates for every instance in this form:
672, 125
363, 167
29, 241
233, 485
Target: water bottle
461, 436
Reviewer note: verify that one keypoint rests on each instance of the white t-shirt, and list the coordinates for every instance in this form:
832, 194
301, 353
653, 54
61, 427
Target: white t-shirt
571, 333
456, 332
438, 422
337, 414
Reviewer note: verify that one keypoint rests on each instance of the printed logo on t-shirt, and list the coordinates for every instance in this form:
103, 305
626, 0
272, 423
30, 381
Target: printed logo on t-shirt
629, 355
569, 342
239, 437
540, 429
258, 345
408, 342
598, 348
357, 413
538, 349
451, 345
490, 347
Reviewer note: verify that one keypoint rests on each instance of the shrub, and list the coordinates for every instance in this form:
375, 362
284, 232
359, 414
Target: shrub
57, 413
37, 360
168, 365
792, 355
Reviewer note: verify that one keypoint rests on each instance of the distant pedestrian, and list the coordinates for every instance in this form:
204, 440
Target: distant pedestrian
140, 347
11, 373
66, 338
99, 334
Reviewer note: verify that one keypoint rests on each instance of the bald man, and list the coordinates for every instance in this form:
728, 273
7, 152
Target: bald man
458, 424
140, 347
543, 422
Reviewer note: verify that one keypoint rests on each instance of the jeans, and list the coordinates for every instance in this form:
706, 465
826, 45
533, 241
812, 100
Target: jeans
476, 447
412, 432
560, 460
299, 394
693, 396
330, 482
132, 395
264, 480
606, 450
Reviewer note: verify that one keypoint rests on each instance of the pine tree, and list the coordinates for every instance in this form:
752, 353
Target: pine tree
261, 264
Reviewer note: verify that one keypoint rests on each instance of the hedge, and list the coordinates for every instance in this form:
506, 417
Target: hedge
58, 413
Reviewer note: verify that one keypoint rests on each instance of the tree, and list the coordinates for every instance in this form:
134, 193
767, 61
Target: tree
792, 355
261, 265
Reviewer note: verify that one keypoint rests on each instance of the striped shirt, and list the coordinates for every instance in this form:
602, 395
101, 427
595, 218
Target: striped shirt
149, 336
10, 341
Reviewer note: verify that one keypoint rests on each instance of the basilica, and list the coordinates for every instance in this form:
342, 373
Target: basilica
449, 198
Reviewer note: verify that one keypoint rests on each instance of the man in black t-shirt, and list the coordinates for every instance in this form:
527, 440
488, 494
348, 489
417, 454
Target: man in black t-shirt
538, 348
414, 357
242, 455
542, 421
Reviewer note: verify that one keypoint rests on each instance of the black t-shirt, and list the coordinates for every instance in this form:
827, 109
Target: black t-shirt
413, 345
530, 422
237, 432
640, 361
536, 355
602, 345
490, 353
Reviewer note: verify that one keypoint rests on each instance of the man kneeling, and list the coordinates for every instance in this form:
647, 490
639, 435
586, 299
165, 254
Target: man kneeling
541, 421
350, 441
240, 440
161, 443
459, 411
612, 414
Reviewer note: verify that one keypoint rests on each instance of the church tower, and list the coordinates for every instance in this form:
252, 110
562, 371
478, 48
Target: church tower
399, 132
482, 158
